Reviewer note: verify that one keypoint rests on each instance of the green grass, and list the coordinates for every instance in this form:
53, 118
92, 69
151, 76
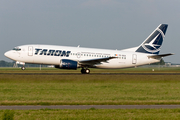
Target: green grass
89, 114
89, 89
93, 70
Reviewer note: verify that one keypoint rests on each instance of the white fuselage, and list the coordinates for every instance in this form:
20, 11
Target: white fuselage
51, 55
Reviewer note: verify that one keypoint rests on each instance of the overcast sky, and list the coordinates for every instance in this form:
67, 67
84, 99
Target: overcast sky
107, 24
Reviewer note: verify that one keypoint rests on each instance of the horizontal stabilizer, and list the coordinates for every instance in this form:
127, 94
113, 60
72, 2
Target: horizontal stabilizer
160, 56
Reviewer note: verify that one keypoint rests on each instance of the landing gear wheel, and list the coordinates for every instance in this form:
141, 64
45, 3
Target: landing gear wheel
23, 68
85, 71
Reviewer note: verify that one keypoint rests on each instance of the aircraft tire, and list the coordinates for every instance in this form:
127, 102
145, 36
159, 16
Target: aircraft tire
83, 71
23, 68
87, 71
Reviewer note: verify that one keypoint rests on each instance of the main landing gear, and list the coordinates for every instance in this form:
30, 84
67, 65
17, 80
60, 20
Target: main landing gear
85, 71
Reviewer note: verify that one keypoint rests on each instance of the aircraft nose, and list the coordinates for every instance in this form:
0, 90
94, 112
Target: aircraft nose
7, 54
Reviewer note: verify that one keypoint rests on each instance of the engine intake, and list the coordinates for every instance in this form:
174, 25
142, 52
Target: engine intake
67, 64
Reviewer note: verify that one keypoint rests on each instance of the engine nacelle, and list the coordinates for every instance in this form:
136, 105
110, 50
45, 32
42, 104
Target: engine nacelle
67, 64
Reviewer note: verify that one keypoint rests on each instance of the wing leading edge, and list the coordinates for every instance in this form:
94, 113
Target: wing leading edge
92, 62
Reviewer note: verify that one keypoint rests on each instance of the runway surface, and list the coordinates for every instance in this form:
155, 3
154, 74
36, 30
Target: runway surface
90, 74
31, 107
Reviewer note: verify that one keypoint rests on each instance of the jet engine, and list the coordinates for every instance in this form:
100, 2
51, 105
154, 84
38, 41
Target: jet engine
67, 64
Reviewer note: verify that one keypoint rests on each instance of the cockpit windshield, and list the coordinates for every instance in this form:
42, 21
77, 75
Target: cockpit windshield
17, 49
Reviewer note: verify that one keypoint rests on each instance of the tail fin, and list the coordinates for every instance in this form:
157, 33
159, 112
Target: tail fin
152, 44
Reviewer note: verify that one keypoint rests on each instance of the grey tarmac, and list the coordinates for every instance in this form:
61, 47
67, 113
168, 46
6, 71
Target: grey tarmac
33, 107
90, 74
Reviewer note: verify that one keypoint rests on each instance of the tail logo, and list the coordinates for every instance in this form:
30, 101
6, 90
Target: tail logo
154, 42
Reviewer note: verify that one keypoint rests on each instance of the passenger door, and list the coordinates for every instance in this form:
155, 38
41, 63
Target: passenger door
134, 59
30, 51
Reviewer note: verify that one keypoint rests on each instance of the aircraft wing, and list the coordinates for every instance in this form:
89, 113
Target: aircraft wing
160, 56
92, 62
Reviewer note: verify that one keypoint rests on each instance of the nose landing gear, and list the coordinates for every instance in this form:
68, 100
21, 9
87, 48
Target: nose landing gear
85, 71
23, 68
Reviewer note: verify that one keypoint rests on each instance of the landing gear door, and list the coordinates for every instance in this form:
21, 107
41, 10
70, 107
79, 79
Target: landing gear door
134, 59
30, 51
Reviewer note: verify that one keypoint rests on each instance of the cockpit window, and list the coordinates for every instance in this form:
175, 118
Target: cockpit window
17, 49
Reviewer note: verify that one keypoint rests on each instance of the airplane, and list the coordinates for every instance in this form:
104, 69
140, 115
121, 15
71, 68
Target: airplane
64, 57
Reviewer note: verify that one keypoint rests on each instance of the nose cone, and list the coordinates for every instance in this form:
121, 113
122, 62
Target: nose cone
7, 54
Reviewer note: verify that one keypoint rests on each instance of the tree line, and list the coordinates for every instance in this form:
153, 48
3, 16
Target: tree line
11, 64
